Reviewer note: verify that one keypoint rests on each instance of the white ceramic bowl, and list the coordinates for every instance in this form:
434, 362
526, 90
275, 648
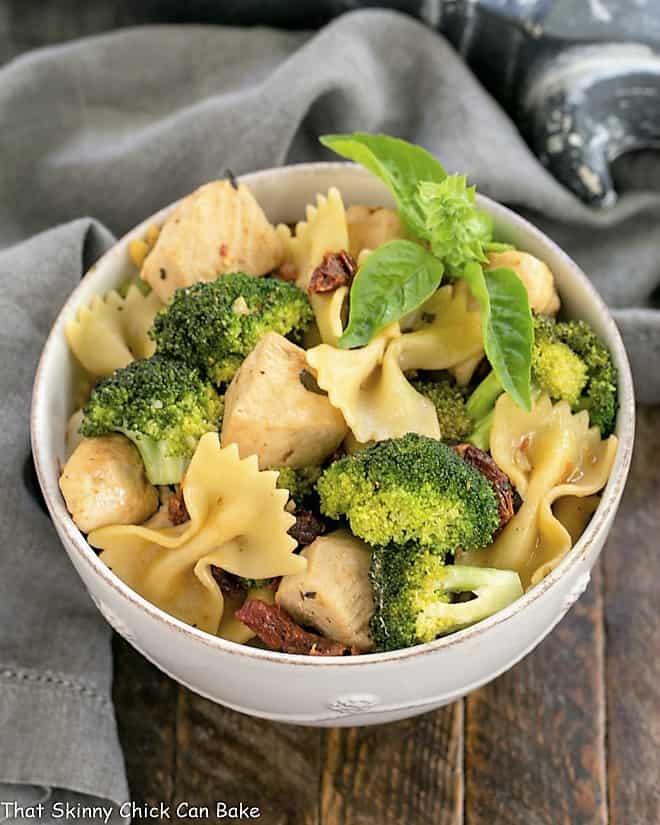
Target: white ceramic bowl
314, 690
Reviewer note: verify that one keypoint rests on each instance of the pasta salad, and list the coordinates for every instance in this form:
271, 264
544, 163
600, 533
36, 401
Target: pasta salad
357, 434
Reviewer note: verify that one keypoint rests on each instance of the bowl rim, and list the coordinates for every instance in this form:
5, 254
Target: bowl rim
610, 499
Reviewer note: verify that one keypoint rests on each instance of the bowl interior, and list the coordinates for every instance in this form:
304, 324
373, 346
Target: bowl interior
283, 193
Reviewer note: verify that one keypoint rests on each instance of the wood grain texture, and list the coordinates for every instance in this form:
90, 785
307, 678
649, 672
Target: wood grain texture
405, 773
223, 755
535, 737
145, 702
632, 602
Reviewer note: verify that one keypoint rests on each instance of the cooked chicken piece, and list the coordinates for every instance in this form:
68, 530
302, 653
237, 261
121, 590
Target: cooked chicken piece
536, 276
104, 483
334, 593
214, 230
369, 228
271, 413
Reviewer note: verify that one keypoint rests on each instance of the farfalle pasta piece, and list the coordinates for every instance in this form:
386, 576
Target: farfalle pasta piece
238, 523
575, 513
112, 331
369, 228
549, 454
328, 311
324, 230
137, 318
369, 388
214, 230
464, 371
139, 248
447, 334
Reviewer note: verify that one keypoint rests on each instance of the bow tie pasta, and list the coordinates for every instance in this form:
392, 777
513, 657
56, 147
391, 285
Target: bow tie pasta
113, 331
368, 386
237, 523
447, 334
325, 230
369, 228
550, 454
397, 372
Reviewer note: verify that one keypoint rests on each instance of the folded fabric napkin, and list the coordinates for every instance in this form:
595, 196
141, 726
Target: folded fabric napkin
117, 126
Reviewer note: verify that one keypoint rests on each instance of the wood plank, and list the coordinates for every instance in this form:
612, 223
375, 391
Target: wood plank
225, 756
535, 737
405, 773
145, 704
632, 603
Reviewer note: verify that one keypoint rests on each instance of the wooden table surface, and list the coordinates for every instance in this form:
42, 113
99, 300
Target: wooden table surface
571, 736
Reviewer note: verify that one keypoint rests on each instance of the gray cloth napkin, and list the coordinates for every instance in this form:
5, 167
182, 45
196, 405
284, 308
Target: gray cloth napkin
115, 127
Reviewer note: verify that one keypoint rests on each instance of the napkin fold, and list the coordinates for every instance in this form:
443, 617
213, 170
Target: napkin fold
115, 127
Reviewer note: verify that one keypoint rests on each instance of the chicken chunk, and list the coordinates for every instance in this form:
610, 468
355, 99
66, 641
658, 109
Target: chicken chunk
271, 413
104, 483
214, 230
334, 593
369, 228
536, 276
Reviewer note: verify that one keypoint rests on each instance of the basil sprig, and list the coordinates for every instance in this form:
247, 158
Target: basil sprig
399, 164
508, 328
439, 210
394, 280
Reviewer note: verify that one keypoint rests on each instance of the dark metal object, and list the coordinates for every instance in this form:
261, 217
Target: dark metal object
580, 93
587, 107
580, 100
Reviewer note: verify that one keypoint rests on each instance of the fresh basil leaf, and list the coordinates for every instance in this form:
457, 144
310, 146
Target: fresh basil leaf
508, 327
395, 279
399, 164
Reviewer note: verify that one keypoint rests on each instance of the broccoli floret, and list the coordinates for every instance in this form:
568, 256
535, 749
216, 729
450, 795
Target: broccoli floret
215, 325
449, 402
163, 406
462, 417
570, 363
411, 489
558, 371
300, 482
417, 597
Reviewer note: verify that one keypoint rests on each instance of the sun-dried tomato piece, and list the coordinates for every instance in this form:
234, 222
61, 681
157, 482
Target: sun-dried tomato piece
278, 631
486, 465
230, 586
176, 508
308, 527
335, 270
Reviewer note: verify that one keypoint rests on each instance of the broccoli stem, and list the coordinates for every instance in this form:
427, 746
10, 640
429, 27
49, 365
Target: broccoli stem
483, 399
160, 467
493, 591
480, 436
481, 409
